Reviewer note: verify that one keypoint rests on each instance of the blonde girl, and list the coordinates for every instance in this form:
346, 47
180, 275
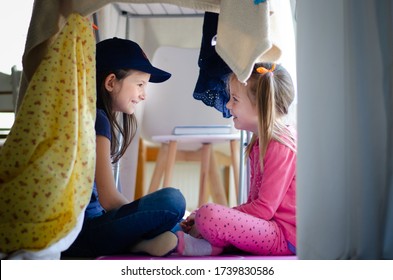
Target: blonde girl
266, 223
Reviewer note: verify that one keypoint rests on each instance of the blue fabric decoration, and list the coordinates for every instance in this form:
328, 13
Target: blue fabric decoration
211, 86
256, 2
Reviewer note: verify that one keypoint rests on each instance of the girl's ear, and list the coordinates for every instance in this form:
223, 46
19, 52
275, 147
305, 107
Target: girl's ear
110, 82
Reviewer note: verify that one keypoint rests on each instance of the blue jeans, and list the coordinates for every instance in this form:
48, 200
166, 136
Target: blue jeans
116, 231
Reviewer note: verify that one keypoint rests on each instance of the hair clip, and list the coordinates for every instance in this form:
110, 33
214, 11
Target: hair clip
263, 70
214, 40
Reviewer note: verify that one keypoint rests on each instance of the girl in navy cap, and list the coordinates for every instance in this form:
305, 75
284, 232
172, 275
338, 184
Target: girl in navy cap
113, 224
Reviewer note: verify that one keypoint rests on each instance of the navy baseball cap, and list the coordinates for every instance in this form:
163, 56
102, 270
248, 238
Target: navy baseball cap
116, 53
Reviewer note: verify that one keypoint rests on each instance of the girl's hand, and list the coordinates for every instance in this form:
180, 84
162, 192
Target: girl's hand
188, 226
194, 232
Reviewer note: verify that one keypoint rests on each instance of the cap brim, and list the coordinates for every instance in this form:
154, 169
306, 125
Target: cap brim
157, 75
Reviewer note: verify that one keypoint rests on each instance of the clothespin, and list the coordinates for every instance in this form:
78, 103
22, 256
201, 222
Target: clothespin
256, 2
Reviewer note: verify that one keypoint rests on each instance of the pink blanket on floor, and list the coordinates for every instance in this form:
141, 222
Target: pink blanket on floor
178, 257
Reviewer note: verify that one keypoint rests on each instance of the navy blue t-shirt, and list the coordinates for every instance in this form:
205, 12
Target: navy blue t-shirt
102, 127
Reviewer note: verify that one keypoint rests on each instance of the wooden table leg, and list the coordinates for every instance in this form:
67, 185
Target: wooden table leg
203, 183
235, 163
217, 189
159, 168
170, 163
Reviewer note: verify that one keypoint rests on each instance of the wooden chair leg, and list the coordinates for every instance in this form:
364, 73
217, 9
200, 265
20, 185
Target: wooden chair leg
159, 168
140, 171
205, 158
235, 163
227, 180
170, 163
217, 189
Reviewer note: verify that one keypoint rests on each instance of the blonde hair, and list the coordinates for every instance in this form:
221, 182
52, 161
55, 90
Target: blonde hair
270, 88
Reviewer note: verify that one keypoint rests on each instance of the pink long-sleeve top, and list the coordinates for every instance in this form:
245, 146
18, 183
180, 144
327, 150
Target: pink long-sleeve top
272, 193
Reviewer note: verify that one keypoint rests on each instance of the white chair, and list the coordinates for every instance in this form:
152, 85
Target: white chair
171, 104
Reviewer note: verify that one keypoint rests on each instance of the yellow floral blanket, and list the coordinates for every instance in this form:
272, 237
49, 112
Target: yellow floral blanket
47, 162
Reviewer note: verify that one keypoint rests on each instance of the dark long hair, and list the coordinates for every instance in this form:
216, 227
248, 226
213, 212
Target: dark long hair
123, 126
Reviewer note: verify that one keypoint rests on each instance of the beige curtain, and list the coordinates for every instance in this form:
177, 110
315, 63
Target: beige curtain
345, 156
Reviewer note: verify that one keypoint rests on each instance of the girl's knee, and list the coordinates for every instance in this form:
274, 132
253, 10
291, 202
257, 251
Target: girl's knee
207, 211
172, 195
173, 200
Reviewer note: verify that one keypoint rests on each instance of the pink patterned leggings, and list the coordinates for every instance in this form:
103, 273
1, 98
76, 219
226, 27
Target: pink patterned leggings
225, 227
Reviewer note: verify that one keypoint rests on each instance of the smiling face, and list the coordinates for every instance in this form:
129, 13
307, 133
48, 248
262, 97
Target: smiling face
244, 112
128, 92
